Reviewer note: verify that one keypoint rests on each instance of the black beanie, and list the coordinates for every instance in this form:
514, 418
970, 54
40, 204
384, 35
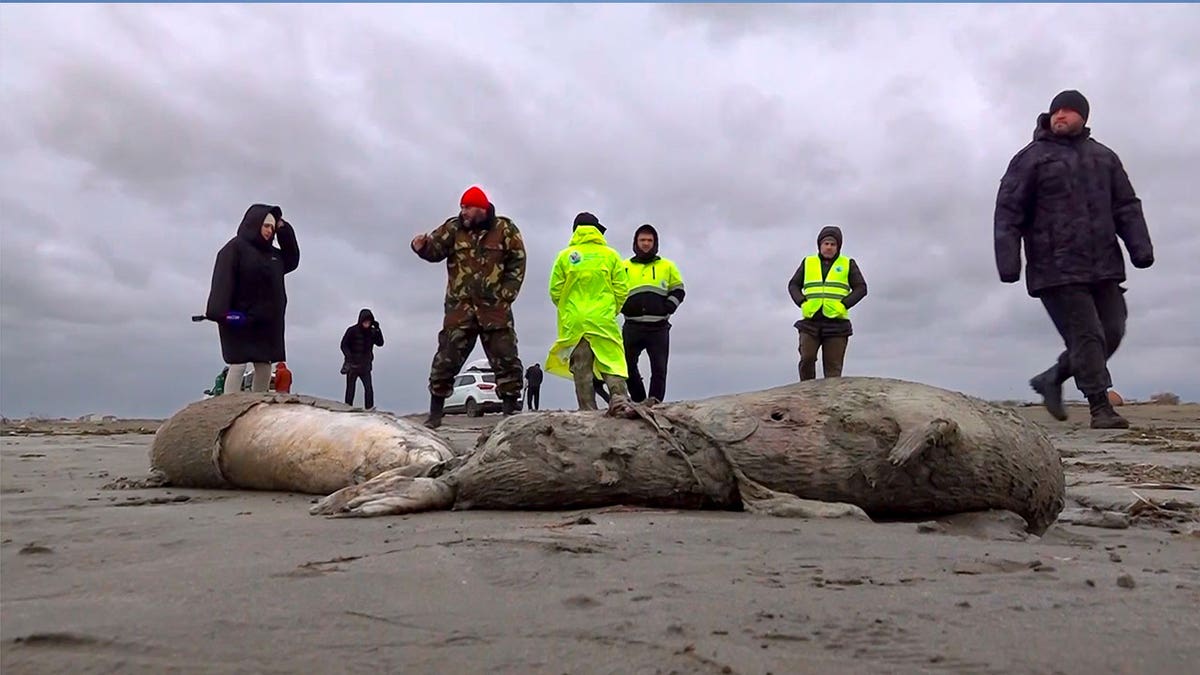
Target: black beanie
586, 218
1070, 99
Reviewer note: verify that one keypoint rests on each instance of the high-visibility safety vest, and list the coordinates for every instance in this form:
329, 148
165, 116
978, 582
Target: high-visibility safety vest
825, 295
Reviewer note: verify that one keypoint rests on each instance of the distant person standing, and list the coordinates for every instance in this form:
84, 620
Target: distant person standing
247, 298
655, 292
358, 353
283, 378
1067, 198
485, 268
825, 287
588, 286
533, 386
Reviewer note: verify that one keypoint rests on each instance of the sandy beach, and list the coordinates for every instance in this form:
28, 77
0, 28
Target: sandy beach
96, 579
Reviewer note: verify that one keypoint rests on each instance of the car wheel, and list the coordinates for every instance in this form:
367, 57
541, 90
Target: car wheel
473, 409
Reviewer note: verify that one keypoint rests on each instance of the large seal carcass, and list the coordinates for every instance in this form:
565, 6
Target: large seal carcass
861, 446
288, 443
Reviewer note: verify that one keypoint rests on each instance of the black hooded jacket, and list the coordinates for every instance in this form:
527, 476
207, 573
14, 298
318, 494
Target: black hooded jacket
858, 290
1067, 199
533, 376
667, 291
358, 343
248, 278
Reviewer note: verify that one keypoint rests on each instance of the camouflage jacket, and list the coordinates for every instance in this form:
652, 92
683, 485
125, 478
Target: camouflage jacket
485, 268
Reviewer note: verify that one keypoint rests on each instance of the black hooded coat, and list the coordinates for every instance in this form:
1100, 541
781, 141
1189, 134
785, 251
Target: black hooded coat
358, 343
248, 278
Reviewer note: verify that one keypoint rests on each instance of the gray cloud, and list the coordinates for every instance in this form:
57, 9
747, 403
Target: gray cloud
135, 137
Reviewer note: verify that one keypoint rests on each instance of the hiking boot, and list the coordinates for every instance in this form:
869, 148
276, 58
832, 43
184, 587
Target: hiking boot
1051, 391
508, 405
436, 404
1103, 415
652, 401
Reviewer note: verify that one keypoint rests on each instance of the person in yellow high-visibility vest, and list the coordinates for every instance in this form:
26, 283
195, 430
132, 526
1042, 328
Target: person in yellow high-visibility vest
655, 292
588, 286
825, 287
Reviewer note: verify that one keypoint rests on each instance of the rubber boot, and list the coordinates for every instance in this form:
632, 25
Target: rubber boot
1103, 415
436, 404
1050, 388
508, 405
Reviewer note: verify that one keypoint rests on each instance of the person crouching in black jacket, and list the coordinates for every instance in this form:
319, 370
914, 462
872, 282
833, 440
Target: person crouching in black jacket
247, 298
358, 348
1068, 199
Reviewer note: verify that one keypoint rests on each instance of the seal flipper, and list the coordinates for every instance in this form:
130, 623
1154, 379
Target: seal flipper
389, 493
939, 432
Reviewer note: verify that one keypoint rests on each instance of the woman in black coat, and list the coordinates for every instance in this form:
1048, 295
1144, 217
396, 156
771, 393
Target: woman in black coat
247, 298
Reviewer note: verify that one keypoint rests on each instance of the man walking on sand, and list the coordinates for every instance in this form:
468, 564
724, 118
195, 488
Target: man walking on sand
655, 292
1067, 198
588, 286
485, 266
825, 287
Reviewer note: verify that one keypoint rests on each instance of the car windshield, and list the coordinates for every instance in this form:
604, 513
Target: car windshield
489, 378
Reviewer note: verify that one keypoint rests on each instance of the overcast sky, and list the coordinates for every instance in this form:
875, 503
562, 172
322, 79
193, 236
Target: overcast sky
134, 137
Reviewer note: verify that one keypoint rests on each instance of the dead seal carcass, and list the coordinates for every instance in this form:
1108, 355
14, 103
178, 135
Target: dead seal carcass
288, 443
889, 448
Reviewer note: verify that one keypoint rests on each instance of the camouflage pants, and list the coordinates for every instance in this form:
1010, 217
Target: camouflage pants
455, 345
582, 363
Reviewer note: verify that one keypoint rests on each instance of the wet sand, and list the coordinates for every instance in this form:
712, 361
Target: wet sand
169, 580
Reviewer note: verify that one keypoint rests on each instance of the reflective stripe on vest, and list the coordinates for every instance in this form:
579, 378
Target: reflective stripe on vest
825, 295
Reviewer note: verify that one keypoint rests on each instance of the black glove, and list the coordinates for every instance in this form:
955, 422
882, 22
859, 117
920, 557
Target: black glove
1143, 263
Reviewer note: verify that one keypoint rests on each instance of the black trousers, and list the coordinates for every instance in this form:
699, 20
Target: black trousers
368, 388
1091, 320
533, 397
655, 339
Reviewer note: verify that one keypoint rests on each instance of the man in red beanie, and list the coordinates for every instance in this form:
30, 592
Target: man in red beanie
485, 265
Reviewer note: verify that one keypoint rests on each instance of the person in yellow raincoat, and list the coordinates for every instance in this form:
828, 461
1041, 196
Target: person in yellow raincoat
589, 285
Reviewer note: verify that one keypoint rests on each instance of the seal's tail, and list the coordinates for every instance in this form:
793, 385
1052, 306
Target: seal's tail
389, 493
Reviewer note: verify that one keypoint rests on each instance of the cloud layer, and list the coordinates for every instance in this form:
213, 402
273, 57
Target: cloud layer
135, 136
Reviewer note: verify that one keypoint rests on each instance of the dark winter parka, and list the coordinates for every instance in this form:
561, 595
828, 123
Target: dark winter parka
1068, 199
358, 343
248, 278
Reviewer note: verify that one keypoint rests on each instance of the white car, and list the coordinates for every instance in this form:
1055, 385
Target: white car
474, 394
475, 391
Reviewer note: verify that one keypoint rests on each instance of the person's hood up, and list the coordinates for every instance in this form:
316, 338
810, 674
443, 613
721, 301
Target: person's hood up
652, 254
251, 228
585, 218
587, 234
830, 231
1041, 130
365, 315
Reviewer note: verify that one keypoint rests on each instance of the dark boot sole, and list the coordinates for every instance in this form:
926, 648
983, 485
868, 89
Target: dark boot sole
1110, 423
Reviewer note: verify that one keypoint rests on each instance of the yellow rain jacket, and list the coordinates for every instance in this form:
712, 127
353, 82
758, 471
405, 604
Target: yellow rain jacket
588, 285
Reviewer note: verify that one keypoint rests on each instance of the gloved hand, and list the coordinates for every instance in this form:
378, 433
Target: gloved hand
1144, 262
235, 319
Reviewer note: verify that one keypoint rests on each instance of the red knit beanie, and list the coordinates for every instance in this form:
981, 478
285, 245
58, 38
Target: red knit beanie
474, 197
